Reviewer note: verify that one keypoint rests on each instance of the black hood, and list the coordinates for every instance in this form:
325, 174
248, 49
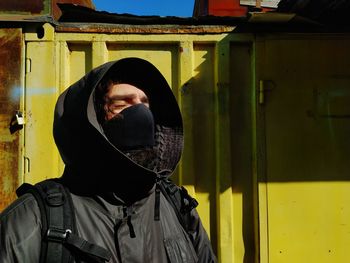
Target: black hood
93, 164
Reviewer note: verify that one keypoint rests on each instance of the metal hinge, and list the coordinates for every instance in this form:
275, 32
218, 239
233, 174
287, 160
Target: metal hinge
28, 65
263, 87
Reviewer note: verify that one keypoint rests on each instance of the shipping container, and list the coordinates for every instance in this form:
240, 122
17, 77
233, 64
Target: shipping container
266, 120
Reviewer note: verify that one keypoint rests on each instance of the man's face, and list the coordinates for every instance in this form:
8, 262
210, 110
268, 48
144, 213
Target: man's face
122, 96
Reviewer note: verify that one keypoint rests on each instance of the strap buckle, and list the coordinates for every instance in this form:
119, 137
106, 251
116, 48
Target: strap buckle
57, 235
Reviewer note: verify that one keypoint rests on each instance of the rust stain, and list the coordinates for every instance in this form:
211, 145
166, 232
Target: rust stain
151, 29
32, 6
38, 6
10, 81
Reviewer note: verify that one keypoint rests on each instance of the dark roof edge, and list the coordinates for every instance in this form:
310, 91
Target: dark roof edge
15, 18
143, 29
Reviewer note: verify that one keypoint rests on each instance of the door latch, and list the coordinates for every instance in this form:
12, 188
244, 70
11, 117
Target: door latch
17, 122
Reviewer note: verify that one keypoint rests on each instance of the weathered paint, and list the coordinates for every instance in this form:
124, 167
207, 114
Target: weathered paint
10, 94
39, 7
32, 6
145, 29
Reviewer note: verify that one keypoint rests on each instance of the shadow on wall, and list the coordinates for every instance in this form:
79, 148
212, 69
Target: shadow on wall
198, 109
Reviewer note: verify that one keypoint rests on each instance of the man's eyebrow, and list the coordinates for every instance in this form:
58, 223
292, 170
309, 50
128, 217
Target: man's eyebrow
123, 96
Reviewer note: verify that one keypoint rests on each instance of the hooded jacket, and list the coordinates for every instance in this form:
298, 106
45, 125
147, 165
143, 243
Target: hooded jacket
113, 196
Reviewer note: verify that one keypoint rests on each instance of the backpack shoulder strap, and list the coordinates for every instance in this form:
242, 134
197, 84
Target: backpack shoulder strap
57, 218
28, 188
180, 200
59, 239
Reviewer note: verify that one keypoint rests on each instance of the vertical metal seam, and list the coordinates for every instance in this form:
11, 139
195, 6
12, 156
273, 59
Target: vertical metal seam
261, 159
185, 75
221, 76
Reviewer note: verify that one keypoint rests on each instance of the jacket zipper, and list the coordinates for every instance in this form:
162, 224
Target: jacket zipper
118, 223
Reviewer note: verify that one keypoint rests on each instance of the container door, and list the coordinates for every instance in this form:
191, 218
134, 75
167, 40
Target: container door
304, 106
11, 90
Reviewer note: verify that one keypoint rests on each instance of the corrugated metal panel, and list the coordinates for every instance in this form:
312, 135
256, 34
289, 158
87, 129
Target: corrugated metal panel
197, 69
40, 97
252, 213
11, 88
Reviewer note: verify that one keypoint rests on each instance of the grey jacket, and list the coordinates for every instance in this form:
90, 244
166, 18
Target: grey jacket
104, 224
112, 194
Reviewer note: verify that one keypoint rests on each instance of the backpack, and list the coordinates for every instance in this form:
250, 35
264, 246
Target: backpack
60, 242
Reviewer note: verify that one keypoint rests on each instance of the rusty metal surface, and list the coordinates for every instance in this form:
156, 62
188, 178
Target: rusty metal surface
145, 29
10, 82
10, 18
39, 7
32, 6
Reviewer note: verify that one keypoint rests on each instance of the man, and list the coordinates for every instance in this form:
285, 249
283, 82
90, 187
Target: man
119, 133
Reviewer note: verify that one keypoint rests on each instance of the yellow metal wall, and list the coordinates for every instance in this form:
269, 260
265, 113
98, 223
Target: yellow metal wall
229, 164
305, 163
197, 69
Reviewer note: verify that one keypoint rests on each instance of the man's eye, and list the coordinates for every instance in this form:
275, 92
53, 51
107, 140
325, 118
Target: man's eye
118, 104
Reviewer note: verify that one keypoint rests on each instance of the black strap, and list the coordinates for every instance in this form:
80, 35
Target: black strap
59, 227
88, 250
59, 216
131, 227
157, 203
180, 200
188, 202
28, 188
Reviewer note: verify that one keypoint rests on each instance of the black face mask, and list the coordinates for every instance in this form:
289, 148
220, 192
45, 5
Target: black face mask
132, 129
